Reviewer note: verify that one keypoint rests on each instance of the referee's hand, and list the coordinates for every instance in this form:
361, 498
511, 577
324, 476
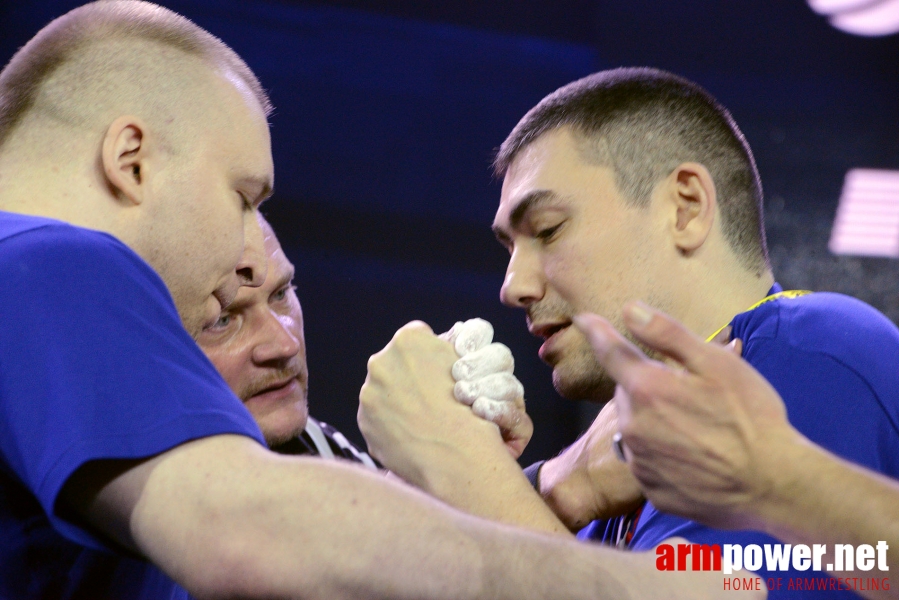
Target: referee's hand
702, 431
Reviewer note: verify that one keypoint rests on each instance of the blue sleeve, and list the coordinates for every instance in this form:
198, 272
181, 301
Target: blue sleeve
95, 364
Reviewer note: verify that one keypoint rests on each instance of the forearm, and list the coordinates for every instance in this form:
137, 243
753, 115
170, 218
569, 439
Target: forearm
284, 527
492, 487
587, 481
819, 498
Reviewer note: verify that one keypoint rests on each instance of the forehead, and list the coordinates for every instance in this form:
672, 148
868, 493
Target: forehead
237, 130
280, 267
551, 170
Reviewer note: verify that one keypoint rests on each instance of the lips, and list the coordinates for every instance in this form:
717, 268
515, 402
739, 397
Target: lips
278, 388
547, 330
551, 332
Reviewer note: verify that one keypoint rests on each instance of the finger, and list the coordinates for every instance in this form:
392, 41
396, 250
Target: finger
514, 424
493, 358
723, 336
492, 410
616, 355
472, 335
623, 407
499, 386
451, 334
667, 336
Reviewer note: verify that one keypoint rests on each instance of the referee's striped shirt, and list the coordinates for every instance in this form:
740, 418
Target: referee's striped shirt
320, 439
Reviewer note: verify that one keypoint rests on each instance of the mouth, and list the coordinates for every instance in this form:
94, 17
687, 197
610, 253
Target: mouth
278, 389
547, 330
551, 332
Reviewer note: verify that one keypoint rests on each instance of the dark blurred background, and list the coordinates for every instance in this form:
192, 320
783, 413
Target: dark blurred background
388, 111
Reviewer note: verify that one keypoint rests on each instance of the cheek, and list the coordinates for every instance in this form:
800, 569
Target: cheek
573, 270
224, 218
228, 365
295, 328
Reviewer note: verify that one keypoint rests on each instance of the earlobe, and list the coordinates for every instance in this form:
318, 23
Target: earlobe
124, 154
695, 204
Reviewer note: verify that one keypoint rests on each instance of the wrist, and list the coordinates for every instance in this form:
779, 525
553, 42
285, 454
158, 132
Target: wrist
789, 482
469, 465
532, 473
566, 491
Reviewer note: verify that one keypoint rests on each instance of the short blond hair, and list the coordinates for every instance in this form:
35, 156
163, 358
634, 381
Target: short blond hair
107, 52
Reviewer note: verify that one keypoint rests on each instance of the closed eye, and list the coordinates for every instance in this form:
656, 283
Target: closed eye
548, 233
247, 203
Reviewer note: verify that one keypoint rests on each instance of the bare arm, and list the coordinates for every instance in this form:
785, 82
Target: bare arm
226, 518
711, 441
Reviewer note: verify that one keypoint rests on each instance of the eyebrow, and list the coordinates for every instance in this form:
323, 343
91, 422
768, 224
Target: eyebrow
285, 277
531, 201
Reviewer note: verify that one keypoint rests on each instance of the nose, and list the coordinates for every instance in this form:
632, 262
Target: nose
252, 267
277, 341
524, 283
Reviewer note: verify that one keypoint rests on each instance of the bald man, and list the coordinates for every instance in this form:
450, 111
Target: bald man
134, 154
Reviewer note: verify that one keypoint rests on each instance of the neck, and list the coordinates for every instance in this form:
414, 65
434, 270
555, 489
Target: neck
56, 189
715, 300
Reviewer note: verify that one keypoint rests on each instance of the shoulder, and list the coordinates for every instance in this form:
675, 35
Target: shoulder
835, 362
33, 244
65, 263
835, 325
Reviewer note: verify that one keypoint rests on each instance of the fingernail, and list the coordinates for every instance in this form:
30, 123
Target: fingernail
639, 313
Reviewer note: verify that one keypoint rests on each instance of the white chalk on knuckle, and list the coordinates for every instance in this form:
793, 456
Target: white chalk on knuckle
461, 370
489, 409
465, 392
473, 335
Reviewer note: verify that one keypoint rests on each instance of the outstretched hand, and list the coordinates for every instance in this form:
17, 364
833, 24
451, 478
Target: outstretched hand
702, 430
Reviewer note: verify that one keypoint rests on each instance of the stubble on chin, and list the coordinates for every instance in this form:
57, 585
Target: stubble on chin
579, 376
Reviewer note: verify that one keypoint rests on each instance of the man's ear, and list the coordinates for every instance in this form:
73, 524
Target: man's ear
694, 203
124, 154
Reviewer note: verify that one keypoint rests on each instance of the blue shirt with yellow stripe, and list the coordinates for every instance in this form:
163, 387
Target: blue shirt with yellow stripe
835, 362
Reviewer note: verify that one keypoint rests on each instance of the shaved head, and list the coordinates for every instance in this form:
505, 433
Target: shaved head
124, 117
98, 61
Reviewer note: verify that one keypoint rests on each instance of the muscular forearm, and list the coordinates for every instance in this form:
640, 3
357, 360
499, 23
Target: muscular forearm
818, 498
226, 518
494, 488
587, 481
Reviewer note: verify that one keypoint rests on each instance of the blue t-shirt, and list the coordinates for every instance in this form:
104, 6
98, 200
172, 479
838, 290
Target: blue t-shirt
94, 364
835, 362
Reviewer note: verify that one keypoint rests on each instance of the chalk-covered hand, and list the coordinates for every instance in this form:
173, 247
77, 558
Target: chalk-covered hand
485, 381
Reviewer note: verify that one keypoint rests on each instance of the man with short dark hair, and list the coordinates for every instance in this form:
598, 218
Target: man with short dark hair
635, 183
